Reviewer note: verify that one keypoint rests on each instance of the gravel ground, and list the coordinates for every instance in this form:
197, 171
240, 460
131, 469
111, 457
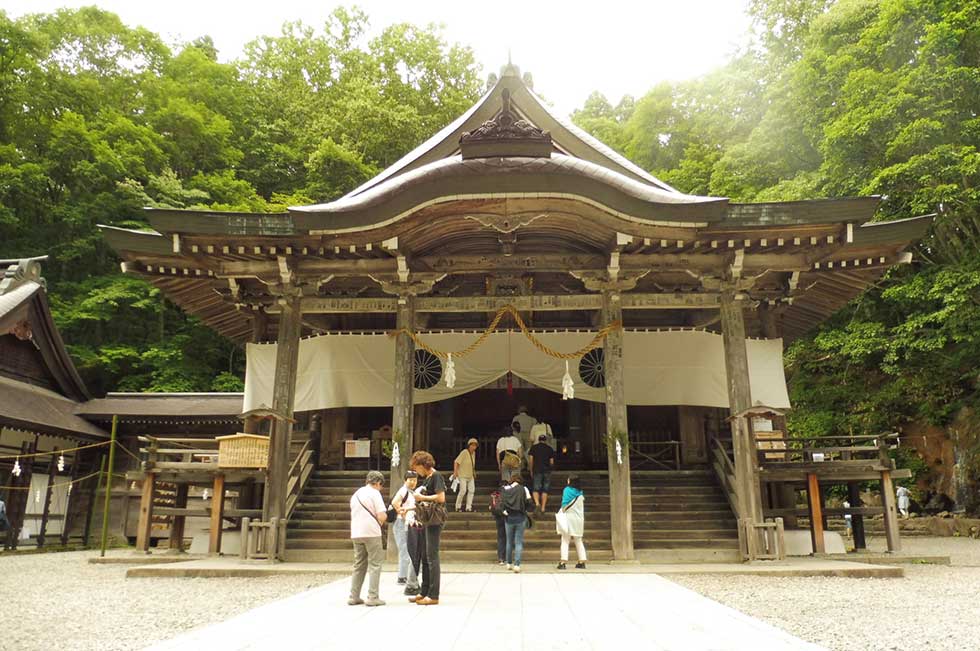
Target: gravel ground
61, 601
934, 607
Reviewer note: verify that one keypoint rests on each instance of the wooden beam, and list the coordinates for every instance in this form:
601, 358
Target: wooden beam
617, 427
532, 303
892, 539
527, 262
145, 525
217, 515
816, 513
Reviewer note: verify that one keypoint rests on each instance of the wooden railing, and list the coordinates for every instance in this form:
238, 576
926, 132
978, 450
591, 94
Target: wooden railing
665, 455
299, 473
177, 454
724, 468
843, 451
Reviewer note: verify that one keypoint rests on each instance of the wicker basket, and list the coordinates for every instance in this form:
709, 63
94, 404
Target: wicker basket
243, 451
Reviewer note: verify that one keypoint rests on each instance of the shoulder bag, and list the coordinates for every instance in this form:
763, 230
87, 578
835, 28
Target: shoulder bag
430, 514
561, 518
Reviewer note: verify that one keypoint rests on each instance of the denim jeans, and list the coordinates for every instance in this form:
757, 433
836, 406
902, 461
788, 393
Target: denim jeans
501, 538
515, 524
406, 570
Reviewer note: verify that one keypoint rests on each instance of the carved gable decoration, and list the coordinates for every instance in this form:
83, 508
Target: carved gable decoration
505, 135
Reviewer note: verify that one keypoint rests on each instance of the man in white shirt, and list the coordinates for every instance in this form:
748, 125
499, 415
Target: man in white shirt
527, 422
367, 515
510, 451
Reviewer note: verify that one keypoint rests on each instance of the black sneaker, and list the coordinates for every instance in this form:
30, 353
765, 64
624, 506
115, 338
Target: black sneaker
411, 592
580, 565
561, 566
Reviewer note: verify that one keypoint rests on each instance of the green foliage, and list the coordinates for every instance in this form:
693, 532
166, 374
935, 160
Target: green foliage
836, 98
99, 119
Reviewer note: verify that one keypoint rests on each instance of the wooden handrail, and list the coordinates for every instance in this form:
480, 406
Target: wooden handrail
302, 451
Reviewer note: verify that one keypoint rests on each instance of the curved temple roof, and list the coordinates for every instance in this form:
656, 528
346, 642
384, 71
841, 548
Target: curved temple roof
509, 184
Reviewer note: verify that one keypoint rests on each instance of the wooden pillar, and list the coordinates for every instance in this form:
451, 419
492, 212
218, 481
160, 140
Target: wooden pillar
891, 512
259, 323
217, 515
283, 396
177, 526
46, 510
857, 521
740, 399
617, 428
95, 483
403, 410
402, 415
70, 499
694, 443
146, 513
814, 499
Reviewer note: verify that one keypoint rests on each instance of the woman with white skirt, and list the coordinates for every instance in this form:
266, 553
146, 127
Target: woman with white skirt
570, 522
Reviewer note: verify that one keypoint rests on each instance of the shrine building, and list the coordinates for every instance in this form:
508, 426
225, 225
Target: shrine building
514, 260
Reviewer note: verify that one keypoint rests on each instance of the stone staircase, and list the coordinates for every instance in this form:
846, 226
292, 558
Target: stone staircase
678, 516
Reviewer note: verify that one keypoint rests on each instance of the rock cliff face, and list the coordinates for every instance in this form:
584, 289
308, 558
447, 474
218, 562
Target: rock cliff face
953, 456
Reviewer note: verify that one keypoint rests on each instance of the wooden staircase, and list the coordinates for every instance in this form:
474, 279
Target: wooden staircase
678, 516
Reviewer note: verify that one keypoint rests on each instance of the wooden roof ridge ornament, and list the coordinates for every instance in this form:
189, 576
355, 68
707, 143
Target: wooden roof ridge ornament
506, 135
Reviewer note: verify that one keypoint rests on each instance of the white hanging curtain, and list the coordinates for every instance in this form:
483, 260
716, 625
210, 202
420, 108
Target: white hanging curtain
659, 368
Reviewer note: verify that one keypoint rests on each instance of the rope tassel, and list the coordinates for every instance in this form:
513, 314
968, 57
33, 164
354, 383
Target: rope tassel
567, 386
450, 371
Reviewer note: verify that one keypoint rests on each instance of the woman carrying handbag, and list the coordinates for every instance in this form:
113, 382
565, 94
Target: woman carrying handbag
570, 522
430, 511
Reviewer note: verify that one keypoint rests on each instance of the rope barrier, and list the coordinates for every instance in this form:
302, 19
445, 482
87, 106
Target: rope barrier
124, 449
52, 486
511, 310
42, 454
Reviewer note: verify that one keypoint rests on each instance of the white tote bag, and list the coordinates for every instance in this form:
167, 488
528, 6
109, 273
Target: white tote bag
561, 522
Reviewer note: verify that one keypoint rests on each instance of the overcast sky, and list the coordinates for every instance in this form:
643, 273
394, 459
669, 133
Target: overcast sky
570, 47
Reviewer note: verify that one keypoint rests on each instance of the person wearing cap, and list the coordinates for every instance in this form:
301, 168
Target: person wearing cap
541, 461
367, 515
404, 504
464, 469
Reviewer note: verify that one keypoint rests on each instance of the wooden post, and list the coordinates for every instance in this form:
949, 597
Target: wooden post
403, 410
891, 513
92, 496
816, 513
217, 515
284, 392
617, 428
108, 486
740, 399
857, 521
46, 510
402, 415
17, 504
177, 526
68, 520
145, 526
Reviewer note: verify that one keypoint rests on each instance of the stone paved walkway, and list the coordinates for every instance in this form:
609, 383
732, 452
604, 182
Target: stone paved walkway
501, 612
